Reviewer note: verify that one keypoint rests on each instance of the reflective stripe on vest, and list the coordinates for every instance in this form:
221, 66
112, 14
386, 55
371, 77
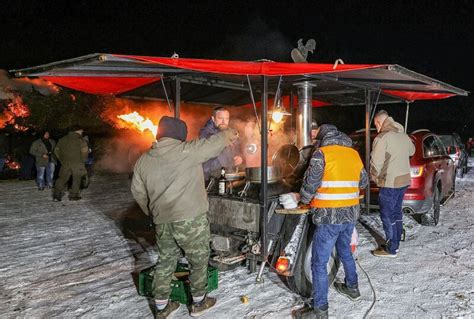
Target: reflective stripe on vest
340, 183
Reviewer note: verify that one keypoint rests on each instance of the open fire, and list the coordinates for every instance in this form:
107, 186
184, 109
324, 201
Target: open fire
136, 121
13, 110
11, 164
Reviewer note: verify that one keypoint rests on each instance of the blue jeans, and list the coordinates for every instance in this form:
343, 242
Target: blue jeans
40, 173
390, 202
325, 237
2, 163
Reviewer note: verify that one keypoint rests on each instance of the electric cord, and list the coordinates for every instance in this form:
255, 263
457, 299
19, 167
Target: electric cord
374, 294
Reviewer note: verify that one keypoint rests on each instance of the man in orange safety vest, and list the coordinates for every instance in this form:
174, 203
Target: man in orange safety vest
331, 186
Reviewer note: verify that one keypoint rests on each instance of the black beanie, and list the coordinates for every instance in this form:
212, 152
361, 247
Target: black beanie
173, 128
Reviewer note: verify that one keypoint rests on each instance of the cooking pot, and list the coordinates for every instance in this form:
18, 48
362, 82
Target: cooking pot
253, 174
234, 176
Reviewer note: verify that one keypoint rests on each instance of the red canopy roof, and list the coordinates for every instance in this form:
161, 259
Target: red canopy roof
226, 82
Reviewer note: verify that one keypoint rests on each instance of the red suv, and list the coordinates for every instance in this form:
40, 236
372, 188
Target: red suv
433, 175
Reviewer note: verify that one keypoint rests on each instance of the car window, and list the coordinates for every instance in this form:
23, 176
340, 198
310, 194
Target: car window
447, 140
440, 146
432, 147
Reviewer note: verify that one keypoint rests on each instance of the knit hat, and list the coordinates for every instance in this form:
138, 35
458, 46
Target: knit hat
173, 128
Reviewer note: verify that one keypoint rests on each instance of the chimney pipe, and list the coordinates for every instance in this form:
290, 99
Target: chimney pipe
304, 115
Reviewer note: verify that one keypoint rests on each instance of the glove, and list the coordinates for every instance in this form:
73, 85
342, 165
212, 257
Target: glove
289, 200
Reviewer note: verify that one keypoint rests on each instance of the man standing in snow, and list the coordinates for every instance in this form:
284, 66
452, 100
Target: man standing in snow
72, 152
168, 183
229, 156
390, 170
42, 150
331, 186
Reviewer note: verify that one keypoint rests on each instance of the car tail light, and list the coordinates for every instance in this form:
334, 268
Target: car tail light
282, 264
416, 171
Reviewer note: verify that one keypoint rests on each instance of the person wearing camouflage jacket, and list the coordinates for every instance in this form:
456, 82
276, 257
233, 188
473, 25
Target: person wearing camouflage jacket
331, 184
72, 152
168, 184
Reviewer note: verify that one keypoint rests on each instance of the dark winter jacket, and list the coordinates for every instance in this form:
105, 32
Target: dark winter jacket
38, 149
224, 159
328, 135
168, 180
72, 150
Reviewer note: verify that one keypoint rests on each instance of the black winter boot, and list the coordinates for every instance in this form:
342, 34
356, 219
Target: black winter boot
351, 292
308, 312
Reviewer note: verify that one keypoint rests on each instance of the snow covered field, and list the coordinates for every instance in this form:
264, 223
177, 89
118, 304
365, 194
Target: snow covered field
81, 259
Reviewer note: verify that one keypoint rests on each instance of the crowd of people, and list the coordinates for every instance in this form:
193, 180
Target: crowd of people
169, 185
70, 160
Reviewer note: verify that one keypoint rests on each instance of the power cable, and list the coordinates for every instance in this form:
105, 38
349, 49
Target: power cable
374, 294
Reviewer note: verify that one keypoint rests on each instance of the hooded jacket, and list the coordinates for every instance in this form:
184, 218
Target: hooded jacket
328, 135
168, 180
224, 158
390, 157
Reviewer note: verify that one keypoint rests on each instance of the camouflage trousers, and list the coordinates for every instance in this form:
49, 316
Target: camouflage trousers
192, 236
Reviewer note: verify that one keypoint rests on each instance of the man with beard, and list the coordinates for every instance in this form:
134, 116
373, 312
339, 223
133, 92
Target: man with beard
42, 150
229, 157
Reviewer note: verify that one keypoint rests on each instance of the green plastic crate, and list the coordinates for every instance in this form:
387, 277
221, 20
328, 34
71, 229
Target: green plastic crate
180, 290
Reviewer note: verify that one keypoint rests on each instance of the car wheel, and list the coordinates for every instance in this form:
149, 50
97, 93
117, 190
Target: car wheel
431, 218
301, 282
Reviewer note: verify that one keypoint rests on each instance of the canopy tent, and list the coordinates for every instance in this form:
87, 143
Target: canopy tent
242, 83
226, 82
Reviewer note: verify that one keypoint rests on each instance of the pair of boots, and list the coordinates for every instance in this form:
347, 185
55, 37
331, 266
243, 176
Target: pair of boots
309, 312
196, 309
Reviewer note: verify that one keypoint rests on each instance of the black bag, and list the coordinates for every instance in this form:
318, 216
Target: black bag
85, 181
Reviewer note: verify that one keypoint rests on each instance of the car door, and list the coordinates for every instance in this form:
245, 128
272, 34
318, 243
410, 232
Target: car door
448, 168
435, 156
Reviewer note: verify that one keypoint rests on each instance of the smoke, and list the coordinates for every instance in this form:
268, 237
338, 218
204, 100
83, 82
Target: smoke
119, 154
8, 86
250, 139
258, 41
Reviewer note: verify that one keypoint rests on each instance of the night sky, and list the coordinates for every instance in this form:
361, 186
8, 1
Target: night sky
435, 38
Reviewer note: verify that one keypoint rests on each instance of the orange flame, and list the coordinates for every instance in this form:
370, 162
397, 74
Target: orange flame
12, 164
136, 121
15, 109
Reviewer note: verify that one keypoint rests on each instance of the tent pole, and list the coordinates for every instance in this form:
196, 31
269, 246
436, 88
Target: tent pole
406, 117
368, 105
263, 172
177, 100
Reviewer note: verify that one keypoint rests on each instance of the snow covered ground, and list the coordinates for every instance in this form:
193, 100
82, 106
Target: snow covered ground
81, 259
